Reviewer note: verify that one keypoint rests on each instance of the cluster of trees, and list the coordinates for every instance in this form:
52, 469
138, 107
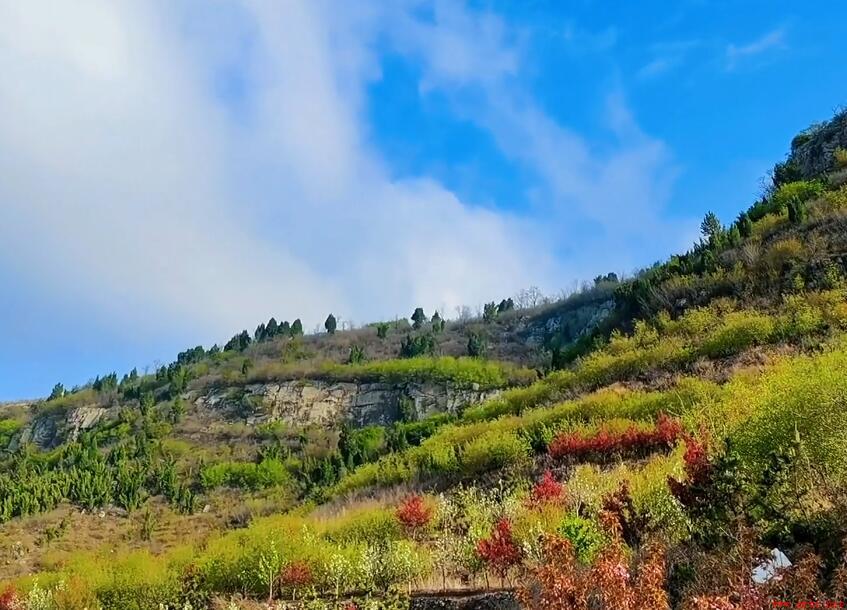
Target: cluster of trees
492, 310
264, 332
635, 298
419, 318
84, 475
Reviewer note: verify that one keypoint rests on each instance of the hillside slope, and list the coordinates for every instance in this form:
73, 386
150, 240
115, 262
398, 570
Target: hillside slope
663, 428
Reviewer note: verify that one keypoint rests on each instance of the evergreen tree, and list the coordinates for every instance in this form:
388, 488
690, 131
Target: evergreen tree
437, 323
146, 403
382, 329
58, 391
477, 345
296, 328
271, 329
489, 312
797, 211
357, 354
260, 333
506, 305
418, 318
330, 324
745, 225
711, 228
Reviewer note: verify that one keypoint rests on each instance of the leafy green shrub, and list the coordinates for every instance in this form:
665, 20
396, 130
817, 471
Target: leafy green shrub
740, 330
419, 345
800, 191
361, 445
492, 450
584, 535
463, 372
800, 398
372, 526
8, 428
246, 475
799, 318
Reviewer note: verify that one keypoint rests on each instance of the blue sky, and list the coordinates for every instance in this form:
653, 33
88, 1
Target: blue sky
171, 173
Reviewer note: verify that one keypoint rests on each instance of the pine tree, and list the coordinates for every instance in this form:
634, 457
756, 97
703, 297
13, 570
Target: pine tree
745, 225
58, 391
418, 318
477, 345
330, 324
296, 328
711, 228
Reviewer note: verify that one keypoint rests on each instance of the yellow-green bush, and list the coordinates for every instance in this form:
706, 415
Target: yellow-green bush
801, 191
463, 372
803, 398
739, 330
492, 450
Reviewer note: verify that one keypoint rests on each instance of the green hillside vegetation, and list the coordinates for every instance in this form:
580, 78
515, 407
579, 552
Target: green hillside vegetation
652, 438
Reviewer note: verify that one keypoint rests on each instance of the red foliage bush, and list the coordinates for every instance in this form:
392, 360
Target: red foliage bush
500, 551
296, 574
9, 599
665, 433
547, 491
413, 513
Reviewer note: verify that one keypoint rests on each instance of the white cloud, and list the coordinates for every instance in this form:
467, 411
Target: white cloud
775, 39
165, 170
134, 186
619, 190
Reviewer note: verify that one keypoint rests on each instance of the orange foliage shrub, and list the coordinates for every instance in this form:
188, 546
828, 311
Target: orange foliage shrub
559, 582
413, 513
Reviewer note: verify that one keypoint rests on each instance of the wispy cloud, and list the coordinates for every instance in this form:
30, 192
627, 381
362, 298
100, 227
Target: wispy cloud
619, 191
657, 67
770, 41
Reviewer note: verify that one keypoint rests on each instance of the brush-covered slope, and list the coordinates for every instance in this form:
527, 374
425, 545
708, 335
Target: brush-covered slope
633, 445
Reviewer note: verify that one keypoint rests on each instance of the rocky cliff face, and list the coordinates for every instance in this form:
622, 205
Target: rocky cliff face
303, 402
51, 429
814, 152
297, 403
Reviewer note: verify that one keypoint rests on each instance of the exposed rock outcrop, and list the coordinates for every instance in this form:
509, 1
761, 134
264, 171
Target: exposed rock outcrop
51, 429
814, 152
302, 402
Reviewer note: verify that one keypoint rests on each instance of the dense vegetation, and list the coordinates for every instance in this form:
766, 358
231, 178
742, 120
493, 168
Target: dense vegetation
662, 435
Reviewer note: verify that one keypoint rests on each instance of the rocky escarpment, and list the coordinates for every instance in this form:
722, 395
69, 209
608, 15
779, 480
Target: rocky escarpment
303, 402
298, 403
813, 152
50, 429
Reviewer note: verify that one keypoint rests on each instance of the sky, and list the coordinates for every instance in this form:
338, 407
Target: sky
173, 171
